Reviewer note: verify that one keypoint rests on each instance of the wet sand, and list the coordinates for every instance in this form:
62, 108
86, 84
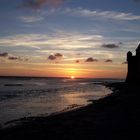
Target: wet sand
114, 117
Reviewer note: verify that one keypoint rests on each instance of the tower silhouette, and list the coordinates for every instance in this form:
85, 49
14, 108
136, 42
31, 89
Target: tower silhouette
133, 75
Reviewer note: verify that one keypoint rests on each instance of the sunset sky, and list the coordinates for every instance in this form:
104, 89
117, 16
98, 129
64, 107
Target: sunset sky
63, 38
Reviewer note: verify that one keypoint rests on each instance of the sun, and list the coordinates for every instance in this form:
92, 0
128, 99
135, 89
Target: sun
72, 77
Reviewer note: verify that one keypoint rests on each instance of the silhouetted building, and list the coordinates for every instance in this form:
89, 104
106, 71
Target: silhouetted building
133, 75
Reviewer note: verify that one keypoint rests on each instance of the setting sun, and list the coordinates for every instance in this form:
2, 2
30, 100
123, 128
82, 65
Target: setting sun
72, 77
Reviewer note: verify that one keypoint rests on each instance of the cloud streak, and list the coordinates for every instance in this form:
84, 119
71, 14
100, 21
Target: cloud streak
81, 12
58, 40
31, 19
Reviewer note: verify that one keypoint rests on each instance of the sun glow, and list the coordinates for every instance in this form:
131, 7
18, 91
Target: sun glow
72, 77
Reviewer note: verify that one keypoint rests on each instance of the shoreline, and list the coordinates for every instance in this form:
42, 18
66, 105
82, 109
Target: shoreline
115, 116
84, 99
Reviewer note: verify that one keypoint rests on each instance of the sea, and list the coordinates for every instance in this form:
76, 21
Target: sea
29, 96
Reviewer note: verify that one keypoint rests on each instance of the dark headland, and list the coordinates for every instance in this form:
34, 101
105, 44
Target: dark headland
133, 75
114, 117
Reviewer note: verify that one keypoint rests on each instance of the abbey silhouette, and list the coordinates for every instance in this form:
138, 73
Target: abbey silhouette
133, 75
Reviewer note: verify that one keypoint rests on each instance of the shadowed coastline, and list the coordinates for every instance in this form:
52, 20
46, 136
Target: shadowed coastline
114, 117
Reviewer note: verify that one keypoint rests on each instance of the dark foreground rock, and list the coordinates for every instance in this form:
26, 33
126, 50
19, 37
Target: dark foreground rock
113, 118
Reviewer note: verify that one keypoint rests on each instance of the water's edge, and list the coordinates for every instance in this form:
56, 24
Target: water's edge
73, 107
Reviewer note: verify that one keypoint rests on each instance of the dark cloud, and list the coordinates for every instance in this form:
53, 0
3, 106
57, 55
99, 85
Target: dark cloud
14, 58
77, 61
18, 58
108, 61
58, 55
5, 54
124, 62
110, 46
52, 57
90, 59
39, 3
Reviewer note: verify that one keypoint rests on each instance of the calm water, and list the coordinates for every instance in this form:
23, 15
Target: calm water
23, 97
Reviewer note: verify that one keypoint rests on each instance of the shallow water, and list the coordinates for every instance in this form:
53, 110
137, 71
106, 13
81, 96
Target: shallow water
24, 97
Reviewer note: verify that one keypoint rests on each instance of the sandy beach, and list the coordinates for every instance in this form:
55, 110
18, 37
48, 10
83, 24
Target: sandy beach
113, 117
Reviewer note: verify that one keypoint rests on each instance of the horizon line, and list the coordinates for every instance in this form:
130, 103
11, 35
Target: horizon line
4, 76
